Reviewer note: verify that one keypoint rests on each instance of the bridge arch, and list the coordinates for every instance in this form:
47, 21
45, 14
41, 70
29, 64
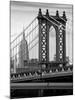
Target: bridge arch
52, 44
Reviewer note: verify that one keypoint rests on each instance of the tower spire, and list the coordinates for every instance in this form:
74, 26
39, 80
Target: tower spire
23, 33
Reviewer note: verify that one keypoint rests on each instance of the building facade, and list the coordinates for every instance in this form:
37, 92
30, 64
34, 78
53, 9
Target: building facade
23, 52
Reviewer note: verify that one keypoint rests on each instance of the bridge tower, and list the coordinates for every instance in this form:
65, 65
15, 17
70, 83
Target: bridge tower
43, 38
59, 23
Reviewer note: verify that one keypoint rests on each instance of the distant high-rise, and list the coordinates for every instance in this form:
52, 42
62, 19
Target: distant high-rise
15, 64
23, 52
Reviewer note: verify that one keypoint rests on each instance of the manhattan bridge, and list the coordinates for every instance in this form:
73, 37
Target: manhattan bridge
39, 72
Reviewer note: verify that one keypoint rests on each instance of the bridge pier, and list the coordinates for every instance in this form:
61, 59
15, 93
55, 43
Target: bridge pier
40, 92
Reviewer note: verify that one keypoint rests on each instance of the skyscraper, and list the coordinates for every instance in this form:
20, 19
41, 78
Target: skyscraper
23, 52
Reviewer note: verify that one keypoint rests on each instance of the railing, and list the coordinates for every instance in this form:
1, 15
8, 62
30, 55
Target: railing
46, 73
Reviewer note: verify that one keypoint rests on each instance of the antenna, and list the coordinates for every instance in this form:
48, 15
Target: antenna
23, 33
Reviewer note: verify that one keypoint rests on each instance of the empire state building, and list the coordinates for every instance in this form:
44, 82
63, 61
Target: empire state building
23, 52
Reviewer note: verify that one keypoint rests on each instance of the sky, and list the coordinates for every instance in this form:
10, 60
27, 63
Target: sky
22, 15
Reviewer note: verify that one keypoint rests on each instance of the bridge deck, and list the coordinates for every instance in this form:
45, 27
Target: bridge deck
41, 85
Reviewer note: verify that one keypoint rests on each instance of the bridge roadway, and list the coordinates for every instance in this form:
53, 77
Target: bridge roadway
41, 85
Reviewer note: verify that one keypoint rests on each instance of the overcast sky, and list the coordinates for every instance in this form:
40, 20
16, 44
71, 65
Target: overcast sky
22, 14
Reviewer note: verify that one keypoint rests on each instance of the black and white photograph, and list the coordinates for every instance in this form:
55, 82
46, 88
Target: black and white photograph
41, 49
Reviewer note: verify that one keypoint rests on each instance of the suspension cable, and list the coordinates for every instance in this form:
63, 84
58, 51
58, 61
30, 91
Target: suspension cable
26, 36
29, 49
52, 22
57, 21
24, 29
